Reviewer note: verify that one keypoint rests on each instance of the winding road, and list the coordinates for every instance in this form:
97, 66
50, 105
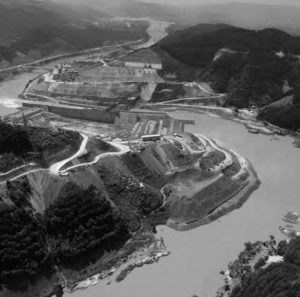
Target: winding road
211, 94
55, 168
122, 150
24, 174
228, 159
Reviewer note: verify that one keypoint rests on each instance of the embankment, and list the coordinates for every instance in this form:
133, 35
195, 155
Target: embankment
235, 201
194, 201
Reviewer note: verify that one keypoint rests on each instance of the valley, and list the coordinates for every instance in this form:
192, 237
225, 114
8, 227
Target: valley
143, 151
119, 164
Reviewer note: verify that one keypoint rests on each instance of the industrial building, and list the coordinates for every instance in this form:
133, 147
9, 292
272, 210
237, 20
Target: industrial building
64, 73
154, 137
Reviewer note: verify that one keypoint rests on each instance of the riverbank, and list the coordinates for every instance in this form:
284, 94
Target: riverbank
259, 254
255, 220
248, 182
252, 125
297, 142
144, 248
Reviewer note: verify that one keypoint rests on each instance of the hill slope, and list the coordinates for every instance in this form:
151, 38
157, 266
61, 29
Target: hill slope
134, 9
252, 67
248, 15
271, 279
35, 29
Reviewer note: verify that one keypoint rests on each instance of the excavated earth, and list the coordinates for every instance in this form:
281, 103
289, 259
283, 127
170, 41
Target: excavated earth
183, 181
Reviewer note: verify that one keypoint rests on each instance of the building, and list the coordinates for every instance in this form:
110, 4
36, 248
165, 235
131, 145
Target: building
145, 58
64, 73
154, 137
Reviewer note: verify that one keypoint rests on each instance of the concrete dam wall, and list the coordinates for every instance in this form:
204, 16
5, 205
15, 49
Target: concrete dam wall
85, 114
75, 112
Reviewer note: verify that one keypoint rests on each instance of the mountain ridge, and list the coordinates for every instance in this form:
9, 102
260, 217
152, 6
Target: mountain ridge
40, 29
252, 67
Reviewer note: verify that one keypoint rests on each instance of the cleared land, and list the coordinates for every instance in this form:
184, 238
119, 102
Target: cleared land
122, 191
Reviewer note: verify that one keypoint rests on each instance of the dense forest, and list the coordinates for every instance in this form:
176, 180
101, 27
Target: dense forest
278, 279
14, 140
74, 231
23, 252
197, 46
19, 144
81, 222
286, 116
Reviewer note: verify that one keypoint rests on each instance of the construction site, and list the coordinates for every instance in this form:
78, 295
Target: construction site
101, 86
91, 131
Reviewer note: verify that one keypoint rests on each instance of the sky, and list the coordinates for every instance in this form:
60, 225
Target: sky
197, 2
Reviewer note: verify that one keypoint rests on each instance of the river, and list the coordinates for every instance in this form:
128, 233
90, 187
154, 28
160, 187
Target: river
197, 256
9, 91
156, 30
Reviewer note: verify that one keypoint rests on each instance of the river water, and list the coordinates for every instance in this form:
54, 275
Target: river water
9, 91
156, 31
197, 256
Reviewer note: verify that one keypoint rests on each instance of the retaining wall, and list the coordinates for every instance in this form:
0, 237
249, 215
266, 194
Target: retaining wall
88, 114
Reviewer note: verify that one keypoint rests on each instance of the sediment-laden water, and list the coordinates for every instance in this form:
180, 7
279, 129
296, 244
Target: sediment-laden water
9, 91
197, 256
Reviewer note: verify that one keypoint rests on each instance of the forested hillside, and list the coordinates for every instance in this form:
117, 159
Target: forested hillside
284, 113
254, 68
82, 225
278, 279
19, 145
32, 30
23, 252
74, 231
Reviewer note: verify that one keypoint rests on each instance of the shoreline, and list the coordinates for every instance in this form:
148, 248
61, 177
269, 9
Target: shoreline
235, 201
147, 253
222, 210
228, 114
